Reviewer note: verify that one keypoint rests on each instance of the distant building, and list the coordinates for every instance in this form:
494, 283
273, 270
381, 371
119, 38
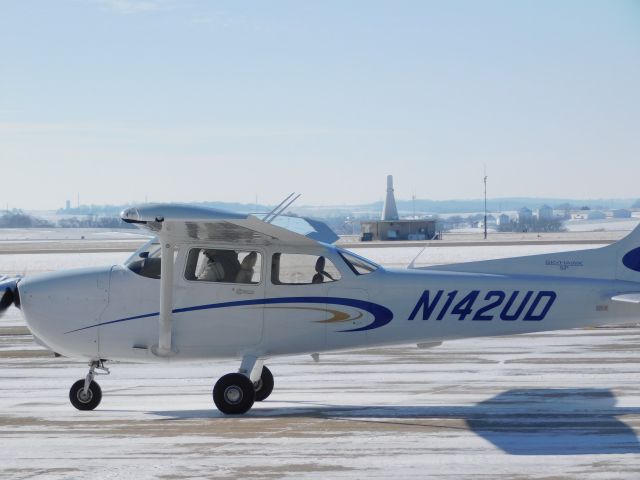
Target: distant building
390, 227
399, 230
595, 215
67, 205
503, 219
544, 212
524, 215
622, 213
491, 222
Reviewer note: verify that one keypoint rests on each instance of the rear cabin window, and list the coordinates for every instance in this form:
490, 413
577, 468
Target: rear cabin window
221, 265
296, 269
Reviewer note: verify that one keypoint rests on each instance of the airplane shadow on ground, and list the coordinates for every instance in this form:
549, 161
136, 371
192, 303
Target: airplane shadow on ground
519, 422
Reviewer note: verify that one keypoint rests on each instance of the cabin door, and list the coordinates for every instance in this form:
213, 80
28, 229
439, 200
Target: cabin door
219, 301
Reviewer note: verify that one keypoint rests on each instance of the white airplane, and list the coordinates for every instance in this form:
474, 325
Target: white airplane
214, 284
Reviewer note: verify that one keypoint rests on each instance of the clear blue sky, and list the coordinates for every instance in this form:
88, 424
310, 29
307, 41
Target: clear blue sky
119, 100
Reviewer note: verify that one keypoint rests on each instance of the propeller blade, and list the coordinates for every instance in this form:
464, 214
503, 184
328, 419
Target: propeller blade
10, 294
16, 296
6, 300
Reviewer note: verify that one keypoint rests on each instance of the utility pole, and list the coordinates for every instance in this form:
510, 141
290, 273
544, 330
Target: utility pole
485, 203
413, 200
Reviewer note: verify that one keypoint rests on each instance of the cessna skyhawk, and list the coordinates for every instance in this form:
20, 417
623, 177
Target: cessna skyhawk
214, 284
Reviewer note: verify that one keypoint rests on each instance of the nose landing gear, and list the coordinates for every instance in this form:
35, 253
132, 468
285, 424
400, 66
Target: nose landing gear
85, 394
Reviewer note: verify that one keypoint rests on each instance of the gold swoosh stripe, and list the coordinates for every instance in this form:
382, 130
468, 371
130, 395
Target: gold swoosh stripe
338, 316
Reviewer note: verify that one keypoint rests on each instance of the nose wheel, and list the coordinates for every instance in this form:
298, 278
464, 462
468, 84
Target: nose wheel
85, 400
86, 394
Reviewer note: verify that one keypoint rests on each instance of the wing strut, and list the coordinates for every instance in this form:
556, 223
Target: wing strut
164, 347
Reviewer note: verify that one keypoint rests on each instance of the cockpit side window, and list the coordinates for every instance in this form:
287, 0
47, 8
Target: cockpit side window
298, 269
146, 261
223, 265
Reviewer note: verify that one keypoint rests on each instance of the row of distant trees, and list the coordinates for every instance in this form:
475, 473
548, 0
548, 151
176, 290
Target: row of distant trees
20, 219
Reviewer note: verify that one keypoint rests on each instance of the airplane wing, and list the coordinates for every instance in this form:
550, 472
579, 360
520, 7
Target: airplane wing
627, 298
185, 222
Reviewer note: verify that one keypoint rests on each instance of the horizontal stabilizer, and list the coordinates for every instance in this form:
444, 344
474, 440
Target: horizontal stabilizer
627, 298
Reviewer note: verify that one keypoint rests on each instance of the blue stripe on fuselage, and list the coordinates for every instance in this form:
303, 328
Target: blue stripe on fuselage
382, 315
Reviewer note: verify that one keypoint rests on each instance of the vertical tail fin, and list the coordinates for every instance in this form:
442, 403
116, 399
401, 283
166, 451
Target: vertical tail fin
628, 256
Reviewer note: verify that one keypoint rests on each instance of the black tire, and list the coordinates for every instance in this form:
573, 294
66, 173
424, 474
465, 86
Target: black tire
91, 401
234, 394
264, 386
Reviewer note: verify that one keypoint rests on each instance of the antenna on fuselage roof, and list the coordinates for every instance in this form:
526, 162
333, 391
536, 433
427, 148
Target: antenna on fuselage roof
266, 217
279, 210
413, 262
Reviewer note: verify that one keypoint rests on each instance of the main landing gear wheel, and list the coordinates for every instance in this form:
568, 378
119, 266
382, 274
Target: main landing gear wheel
85, 400
264, 386
234, 394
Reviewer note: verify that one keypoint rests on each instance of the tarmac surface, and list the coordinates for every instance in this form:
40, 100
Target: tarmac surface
561, 405
553, 405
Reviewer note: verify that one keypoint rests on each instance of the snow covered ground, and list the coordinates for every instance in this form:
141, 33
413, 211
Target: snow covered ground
62, 234
607, 224
554, 405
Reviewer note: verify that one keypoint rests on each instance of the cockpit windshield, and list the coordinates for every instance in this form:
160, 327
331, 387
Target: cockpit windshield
146, 261
357, 264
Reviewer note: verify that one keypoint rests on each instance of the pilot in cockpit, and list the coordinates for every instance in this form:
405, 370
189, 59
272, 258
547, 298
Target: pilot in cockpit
222, 266
213, 271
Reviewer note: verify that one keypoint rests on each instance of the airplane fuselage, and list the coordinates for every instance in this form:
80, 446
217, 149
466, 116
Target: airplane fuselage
112, 312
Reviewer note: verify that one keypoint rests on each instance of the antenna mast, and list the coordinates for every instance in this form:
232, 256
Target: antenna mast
485, 202
279, 210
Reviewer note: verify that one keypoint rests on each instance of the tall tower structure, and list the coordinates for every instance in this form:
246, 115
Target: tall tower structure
389, 211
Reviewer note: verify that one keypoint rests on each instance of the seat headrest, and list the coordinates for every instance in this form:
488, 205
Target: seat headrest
320, 264
249, 261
